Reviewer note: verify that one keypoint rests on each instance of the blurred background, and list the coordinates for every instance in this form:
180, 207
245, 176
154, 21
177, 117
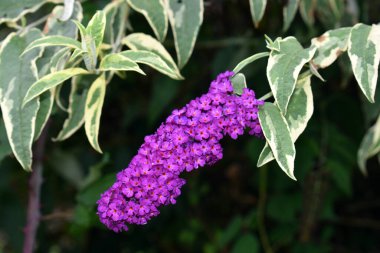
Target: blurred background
232, 206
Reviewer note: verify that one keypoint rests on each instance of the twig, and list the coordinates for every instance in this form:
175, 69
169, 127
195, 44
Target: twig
35, 182
261, 210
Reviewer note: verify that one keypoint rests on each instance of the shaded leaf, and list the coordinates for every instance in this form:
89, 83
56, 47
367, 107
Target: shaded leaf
277, 134
364, 53
185, 18
246, 244
370, 145
257, 10
238, 83
289, 12
155, 13
249, 60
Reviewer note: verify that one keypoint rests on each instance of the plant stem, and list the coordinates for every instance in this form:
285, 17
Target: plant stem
261, 210
266, 96
35, 182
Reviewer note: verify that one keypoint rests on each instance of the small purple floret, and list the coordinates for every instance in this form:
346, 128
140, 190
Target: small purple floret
189, 139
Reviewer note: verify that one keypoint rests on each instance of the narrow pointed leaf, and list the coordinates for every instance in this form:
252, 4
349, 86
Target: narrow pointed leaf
77, 103
155, 13
152, 60
95, 28
54, 40
43, 114
185, 18
50, 81
299, 112
289, 13
284, 67
330, 45
370, 145
17, 75
277, 134
307, 9
257, 10
364, 53
119, 62
93, 111
249, 60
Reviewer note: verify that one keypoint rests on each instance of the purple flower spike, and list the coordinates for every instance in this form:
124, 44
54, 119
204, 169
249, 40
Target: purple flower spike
188, 139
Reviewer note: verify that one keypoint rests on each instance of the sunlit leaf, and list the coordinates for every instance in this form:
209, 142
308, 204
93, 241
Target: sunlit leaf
246, 244
307, 9
95, 28
43, 114
185, 19
277, 134
364, 53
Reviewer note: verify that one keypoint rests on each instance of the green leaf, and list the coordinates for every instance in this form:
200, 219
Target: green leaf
77, 103
141, 41
249, 60
185, 18
93, 111
95, 28
13, 10
54, 40
246, 244
46, 106
364, 53
5, 147
155, 13
17, 74
119, 62
238, 83
277, 134
330, 45
284, 67
299, 112
370, 145
257, 10
307, 9
88, 46
90, 194
153, 60
50, 81
289, 12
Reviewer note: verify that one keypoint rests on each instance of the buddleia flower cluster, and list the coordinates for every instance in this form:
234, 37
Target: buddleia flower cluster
187, 140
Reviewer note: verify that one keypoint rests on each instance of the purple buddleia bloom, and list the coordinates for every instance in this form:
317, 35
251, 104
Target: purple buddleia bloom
189, 139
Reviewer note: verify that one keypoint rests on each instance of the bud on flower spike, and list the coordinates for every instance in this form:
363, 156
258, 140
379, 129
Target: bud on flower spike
189, 139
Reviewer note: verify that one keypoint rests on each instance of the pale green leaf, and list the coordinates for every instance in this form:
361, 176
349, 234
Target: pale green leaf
59, 59
185, 18
370, 145
238, 83
77, 103
17, 75
13, 10
257, 10
330, 45
68, 10
364, 53
284, 67
93, 111
95, 28
249, 60
50, 81
289, 12
153, 60
299, 112
43, 114
155, 13
277, 134
141, 41
307, 9
54, 40
119, 62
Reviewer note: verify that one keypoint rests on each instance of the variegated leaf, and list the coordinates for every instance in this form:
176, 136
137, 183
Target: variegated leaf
50, 81
13, 10
54, 40
17, 74
364, 53
141, 41
299, 112
257, 10
93, 111
370, 145
238, 83
277, 134
155, 13
116, 62
44, 111
77, 103
289, 12
185, 18
96, 27
152, 60
284, 67
330, 45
